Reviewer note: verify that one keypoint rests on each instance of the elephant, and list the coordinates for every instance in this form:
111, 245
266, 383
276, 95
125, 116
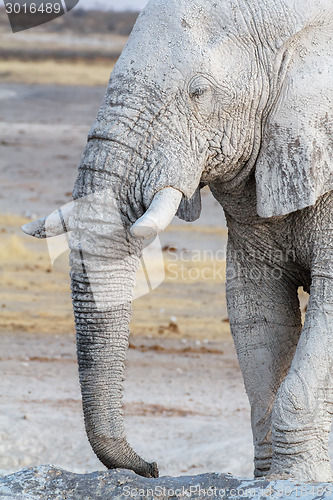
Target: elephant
235, 95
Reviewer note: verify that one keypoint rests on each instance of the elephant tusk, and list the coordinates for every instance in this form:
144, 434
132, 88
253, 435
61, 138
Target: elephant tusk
53, 225
162, 210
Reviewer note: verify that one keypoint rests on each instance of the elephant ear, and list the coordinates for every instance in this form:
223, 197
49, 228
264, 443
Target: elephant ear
295, 163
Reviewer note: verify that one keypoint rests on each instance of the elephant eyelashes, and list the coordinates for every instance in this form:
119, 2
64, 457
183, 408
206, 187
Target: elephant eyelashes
199, 87
195, 94
205, 93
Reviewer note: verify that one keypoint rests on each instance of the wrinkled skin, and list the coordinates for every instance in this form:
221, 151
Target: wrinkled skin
233, 94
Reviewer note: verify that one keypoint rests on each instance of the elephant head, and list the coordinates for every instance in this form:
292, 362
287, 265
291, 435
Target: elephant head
205, 92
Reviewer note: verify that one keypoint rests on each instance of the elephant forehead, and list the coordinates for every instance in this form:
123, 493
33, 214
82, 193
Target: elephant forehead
173, 41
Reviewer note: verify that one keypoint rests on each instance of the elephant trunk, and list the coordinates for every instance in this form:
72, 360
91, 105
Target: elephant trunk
105, 256
102, 342
101, 294
119, 187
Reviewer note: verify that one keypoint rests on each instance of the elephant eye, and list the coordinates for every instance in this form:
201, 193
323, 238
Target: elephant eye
198, 92
198, 88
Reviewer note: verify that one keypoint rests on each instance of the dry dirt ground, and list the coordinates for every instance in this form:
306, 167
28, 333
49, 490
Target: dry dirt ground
185, 404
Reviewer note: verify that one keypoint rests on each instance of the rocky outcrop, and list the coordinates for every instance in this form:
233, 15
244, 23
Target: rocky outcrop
49, 483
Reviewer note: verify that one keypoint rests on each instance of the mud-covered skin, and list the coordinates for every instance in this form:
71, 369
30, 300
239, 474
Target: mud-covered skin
236, 94
287, 371
239, 88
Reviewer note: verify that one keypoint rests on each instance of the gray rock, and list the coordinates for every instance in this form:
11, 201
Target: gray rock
50, 483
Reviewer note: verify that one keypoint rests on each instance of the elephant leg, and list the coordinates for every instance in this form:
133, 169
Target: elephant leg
265, 323
302, 412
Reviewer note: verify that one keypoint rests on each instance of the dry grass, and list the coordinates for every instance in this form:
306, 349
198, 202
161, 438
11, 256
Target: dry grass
55, 72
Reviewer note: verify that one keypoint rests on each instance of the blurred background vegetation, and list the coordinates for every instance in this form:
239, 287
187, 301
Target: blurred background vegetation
78, 48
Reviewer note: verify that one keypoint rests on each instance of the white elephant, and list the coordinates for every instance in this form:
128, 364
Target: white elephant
236, 95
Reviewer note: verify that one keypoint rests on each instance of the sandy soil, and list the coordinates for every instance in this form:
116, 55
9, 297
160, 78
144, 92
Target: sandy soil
29, 57
185, 404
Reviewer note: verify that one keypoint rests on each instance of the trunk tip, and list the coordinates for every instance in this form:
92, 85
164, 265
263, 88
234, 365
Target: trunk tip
154, 472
